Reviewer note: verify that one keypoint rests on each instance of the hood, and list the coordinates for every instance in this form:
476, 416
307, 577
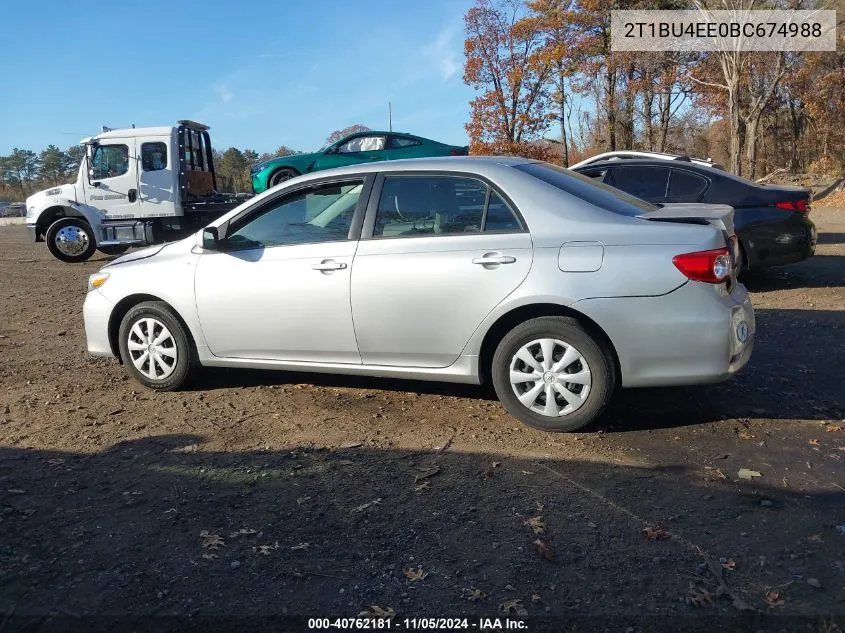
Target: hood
298, 161
134, 256
59, 192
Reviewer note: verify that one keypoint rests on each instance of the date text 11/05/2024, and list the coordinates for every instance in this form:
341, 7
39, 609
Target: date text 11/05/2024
417, 624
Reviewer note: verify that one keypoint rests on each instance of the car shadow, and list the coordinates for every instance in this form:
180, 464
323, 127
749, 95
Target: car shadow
819, 271
162, 526
773, 385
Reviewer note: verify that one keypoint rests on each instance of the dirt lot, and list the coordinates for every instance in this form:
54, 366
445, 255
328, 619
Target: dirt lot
273, 493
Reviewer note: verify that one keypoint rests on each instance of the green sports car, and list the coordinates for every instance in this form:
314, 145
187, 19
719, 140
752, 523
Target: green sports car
361, 147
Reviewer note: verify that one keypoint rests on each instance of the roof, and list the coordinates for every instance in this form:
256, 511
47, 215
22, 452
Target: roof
131, 132
652, 162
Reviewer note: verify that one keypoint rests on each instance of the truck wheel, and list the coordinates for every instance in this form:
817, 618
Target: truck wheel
154, 346
113, 250
281, 175
71, 240
550, 374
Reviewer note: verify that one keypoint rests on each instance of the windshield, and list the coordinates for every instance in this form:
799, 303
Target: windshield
596, 193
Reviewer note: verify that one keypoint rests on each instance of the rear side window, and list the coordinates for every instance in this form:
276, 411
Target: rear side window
398, 142
685, 186
153, 156
592, 191
641, 181
415, 206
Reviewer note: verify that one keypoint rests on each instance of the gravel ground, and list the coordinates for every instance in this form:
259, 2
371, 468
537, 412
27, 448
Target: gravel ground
277, 493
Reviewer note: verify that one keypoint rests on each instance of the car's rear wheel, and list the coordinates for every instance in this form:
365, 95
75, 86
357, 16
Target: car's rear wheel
552, 375
70, 240
155, 347
281, 175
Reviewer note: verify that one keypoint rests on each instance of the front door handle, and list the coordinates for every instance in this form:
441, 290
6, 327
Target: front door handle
328, 265
133, 195
493, 258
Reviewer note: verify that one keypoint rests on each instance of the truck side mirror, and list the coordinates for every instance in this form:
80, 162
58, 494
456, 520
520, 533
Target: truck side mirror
210, 238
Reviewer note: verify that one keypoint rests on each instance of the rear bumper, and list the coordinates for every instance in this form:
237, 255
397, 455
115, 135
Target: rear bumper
96, 312
697, 334
785, 241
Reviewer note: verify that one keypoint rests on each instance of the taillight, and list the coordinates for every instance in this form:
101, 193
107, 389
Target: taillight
712, 267
793, 205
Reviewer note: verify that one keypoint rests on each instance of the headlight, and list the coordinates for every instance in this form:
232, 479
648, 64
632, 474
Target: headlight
257, 168
96, 280
53, 192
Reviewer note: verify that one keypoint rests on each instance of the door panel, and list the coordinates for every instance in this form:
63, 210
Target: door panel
115, 167
157, 188
273, 303
416, 301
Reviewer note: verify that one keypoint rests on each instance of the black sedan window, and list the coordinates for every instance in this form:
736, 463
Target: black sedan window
685, 186
641, 181
596, 193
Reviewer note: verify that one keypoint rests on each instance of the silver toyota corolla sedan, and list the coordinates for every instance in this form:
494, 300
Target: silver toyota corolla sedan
555, 288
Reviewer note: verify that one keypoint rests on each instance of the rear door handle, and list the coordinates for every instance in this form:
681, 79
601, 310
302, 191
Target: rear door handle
494, 258
329, 265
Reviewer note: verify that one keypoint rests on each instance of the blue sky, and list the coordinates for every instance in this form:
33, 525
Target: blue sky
261, 74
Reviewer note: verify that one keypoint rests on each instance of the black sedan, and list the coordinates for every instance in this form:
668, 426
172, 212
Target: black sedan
771, 221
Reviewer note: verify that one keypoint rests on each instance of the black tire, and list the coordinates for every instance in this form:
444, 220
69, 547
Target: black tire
185, 361
71, 240
111, 251
281, 175
568, 331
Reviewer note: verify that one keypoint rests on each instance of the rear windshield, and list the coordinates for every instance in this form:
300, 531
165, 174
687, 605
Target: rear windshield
596, 193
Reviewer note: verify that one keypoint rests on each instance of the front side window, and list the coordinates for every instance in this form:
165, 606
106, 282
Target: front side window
362, 144
439, 205
648, 183
322, 213
110, 161
153, 156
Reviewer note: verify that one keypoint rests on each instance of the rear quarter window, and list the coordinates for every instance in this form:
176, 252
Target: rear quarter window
592, 191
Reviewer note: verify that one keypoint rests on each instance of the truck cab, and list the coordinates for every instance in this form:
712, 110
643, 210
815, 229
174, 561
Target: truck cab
135, 187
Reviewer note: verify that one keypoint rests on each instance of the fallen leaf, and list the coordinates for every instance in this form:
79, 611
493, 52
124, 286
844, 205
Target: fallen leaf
425, 474
656, 533
414, 573
211, 541
773, 598
745, 435
815, 538
535, 598
265, 550
377, 612
813, 442
513, 606
242, 532
744, 473
210, 556
423, 486
536, 524
364, 506
833, 428
698, 597
301, 546
544, 549
489, 472
526, 472
729, 564
473, 595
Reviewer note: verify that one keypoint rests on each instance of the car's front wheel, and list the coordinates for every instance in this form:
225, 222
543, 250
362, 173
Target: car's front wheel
155, 347
71, 240
552, 375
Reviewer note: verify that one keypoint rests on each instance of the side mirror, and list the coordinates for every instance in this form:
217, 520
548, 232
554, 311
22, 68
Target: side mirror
210, 238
